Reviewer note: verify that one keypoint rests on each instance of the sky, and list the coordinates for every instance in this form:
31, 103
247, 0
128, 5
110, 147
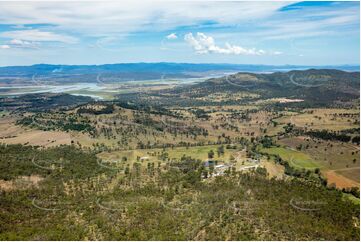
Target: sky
253, 32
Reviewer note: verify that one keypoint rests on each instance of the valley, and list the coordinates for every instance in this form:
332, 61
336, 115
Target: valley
245, 150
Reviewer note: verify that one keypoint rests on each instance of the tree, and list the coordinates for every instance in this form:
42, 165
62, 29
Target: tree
126, 170
266, 142
210, 154
220, 150
356, 140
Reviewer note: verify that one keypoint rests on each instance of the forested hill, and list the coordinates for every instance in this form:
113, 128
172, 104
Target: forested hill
321, 86
42, 101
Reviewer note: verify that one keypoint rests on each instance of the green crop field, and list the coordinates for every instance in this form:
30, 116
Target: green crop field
295, 158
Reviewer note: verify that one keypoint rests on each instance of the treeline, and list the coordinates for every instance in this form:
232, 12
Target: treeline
42, 101
57, 121
65, 162
146, 107
329, 135
108, 109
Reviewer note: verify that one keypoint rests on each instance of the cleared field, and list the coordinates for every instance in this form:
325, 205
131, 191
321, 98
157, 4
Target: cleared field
23, 182
222, 96
339, 162
329, 154
331, 119
342, 178
295, 158
14, 134
273, 169
352, 173
339, 180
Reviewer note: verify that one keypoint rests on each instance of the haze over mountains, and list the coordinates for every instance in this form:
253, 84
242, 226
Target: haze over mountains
137, 71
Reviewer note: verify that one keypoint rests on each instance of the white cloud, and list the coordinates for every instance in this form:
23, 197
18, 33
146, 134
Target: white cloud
204, 44
123, 17
310, 22
38, 36
19, 42
120, 18
172, 36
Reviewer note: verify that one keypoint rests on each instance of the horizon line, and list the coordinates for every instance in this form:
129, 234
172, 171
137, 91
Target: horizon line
180, 63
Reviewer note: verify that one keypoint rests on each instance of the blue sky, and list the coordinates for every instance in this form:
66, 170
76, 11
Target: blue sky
300, 33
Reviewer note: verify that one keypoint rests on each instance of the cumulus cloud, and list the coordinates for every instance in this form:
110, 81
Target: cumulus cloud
203, 44
37, 36
4, 47
172, 36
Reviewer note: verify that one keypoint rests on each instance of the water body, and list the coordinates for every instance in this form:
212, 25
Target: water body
94, 90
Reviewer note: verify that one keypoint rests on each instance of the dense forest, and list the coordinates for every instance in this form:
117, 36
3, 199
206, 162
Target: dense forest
77, 199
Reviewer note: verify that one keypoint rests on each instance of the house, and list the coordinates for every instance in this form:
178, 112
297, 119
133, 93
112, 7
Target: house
222, 166
144, 158
220, 169
248, 167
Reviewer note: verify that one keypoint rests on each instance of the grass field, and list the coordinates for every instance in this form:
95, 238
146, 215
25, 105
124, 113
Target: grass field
330, 119
154, 155
329, 154
342, 178
295, 158
273, 169
15, 134
338, 161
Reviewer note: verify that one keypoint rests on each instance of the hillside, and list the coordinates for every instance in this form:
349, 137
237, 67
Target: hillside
42, 101
90, 202
312, 87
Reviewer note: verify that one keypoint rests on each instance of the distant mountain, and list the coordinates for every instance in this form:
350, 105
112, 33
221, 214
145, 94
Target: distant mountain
136, 71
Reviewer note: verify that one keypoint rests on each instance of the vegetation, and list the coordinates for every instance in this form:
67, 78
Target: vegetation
236, 206
244, 157
324, 134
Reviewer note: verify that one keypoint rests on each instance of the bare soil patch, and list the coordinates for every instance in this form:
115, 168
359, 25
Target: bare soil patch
339, 180
23, 182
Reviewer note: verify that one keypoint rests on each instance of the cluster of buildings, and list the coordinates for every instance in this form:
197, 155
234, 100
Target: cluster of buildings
220, 169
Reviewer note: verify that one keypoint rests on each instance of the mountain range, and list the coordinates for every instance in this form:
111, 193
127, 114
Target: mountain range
139, 71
